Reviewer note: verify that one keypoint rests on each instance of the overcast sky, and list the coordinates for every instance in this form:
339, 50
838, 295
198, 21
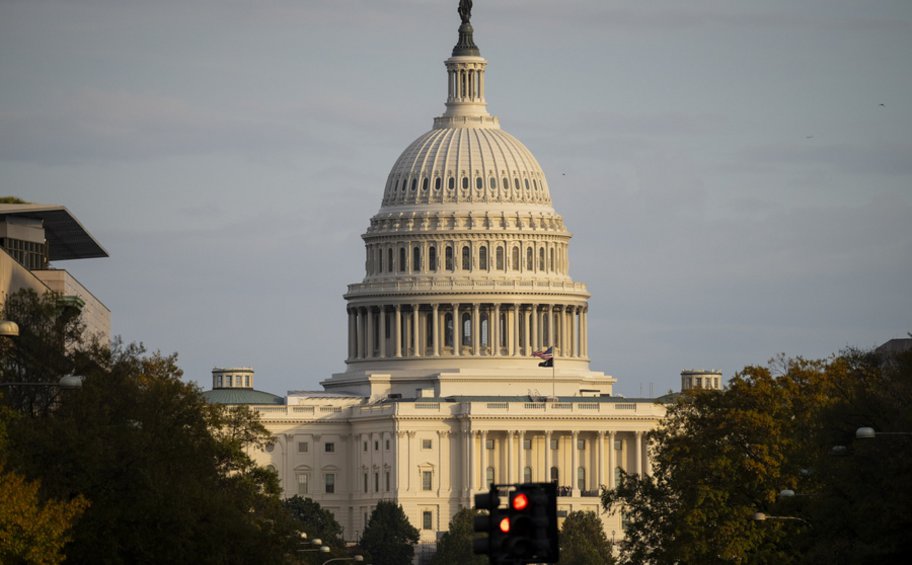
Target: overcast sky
737, 174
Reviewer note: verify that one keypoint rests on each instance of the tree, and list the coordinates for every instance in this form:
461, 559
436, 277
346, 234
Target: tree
389, 538
455, 546
31, 531
318, 523
167, 475
722, 456
583, 540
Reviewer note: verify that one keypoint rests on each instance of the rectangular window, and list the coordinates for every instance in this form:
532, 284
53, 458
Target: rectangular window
376, 445
427, 520
303, 483
387, 445
365, 446
426, 444
489, 444
427, 480
527, 444
329, 483
618, 445
387, 481
329, 447
581, 444
365, 482
376, 482
554, 443
303, 447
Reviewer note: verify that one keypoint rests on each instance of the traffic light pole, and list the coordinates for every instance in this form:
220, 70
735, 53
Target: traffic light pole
523, 532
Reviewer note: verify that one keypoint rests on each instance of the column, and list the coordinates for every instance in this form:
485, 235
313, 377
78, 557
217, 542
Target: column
548, 456
510, 475
476, 327
483, 459
436, 323
382, 331
600, 458
369, 348
467, 461
521, 457
536, 341
359, 338
352, 335
647, 460
511, 331
527, 315
457, 337
494, 325
574, 463
584, 326
638, 465
398, 331
416, 334
547, 314
611, 462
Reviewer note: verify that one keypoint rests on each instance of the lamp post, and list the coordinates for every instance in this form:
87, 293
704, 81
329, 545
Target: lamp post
869, 433
762, 517
9, 328
358, 558
321, 549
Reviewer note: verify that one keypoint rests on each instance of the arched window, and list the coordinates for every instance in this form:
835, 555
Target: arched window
489, 476
527, 185
416, 260
541, 259
465, 182
581, 478
493, 182
529, 265
527, 474
554, 474
483, 258
389, 260
451, 183
466, 258
500, 259
424, 184
515, 258
437, 183
478, 183
415, 184
432, 258
401, 259
506, 183
450, 262
466, 329
448, 330
516, 183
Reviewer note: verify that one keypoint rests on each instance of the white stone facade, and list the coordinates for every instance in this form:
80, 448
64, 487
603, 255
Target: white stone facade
466, 276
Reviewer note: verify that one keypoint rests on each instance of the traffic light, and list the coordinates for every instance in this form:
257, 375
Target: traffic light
496, 524
532, 536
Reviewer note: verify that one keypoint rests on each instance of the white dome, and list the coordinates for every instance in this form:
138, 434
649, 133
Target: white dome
466, 164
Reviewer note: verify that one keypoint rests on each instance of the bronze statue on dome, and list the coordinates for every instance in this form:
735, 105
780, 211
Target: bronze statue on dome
465, 10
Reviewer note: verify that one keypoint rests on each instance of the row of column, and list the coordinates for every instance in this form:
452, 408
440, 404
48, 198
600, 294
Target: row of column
475, 458
434, 330
490, 257
465, 84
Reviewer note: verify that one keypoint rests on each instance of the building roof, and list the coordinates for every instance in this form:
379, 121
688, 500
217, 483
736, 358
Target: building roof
236, 396
67, 238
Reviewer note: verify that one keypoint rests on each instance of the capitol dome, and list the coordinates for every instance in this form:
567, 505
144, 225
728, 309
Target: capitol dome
466, 263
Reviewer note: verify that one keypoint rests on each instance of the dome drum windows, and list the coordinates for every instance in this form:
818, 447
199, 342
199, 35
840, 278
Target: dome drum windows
432, 258
416, 260
499, 265
451, 183
483, 258
437, 183
466, 258
479, 183
465, 183
450, 261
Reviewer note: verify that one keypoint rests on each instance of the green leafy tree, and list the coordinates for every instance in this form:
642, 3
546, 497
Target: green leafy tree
720, 457
583, 540
389, 538
318, 523
455, 546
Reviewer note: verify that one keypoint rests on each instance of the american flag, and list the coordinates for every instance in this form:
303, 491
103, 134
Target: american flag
547, 357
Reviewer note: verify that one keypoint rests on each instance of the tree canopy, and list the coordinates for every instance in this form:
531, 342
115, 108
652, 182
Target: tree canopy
722, 456
583, 540
389, 538
455, 545
166, 475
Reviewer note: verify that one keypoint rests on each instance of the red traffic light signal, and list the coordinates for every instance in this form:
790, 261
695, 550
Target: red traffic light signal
533, 520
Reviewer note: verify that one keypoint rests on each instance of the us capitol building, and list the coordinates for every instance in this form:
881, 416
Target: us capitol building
466, 276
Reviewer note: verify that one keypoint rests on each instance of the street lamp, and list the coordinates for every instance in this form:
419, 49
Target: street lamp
762, 517
321, 549
9, 328
66, 381
358, 558
869, 433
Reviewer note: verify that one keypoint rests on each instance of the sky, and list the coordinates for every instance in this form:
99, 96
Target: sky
737, 175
